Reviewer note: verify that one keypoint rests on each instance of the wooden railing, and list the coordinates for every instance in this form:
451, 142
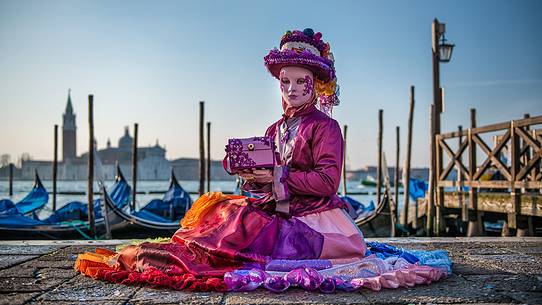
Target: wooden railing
519, 140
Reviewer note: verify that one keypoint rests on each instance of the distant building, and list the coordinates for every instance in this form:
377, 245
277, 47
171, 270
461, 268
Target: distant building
69, 136
188, 169
152, 162
370, 172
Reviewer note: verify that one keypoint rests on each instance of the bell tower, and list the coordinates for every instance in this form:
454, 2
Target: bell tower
69, 150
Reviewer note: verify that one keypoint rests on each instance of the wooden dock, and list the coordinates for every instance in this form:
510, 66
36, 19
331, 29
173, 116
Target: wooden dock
506, 185
486, 270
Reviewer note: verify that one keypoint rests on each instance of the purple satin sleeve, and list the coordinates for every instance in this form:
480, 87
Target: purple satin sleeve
327, 153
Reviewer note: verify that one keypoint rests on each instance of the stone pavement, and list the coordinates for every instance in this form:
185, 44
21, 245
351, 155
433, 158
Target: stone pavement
486, 270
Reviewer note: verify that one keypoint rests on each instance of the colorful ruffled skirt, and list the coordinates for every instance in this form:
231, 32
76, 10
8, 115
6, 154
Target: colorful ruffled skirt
227, 244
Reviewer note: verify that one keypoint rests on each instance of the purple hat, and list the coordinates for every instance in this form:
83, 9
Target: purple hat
302, 48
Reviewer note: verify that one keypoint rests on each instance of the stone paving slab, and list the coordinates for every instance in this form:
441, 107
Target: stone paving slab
17, 297
35, 272
454, 289
25, 250
76, 302
486, 270
27, 284
516, 263
294, 296
12, 260
147, 295
81, 288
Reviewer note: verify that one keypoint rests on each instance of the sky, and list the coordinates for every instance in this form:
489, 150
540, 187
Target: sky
151, 62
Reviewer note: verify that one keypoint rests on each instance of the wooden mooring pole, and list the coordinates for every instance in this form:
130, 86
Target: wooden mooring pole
345, 128
430, 228
90, 185
406, 186
10, 179
526, 158
55, 165
474, 227
208, 156
134, 167
201, 148
462, 202
396, 178
379, 165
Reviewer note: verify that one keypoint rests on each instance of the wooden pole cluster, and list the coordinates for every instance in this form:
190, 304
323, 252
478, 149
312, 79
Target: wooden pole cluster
90, 188
55, 165
134, 167
406, 186
10, 179
201, 148
345, 128
379, 165
208, 156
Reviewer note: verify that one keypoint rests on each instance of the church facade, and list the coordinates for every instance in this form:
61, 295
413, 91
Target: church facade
152, 162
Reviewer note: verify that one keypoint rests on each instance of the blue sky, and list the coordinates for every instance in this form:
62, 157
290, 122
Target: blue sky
151, 62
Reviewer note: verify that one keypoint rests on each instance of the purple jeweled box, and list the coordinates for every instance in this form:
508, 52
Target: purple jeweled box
250, 153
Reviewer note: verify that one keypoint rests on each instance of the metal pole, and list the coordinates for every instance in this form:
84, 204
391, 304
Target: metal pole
345, 128
90, 188
134, 167
55, 166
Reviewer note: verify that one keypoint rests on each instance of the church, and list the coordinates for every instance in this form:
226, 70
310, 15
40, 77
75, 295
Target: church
152, 162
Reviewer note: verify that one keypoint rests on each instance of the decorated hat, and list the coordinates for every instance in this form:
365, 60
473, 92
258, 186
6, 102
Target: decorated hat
306, 48
302, 48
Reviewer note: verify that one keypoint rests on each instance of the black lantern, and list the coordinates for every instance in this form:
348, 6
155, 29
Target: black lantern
445, 50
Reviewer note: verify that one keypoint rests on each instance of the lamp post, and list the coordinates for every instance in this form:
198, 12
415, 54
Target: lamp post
441, 52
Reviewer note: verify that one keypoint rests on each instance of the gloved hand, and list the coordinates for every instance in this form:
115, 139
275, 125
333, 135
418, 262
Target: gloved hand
257, 175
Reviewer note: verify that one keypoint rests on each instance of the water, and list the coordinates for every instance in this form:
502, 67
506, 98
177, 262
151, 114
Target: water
21, 188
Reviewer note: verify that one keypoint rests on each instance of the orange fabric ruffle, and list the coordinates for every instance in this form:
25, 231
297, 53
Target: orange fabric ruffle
203, 205
89, 263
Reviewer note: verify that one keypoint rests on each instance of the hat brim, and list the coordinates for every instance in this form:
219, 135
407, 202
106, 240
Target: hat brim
321, 67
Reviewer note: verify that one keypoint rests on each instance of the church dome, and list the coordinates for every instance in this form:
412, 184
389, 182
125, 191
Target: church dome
126, 141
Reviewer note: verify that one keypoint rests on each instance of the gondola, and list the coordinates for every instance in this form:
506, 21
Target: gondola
70, 221
383, 221
357, 209
36, 199
378, 223
171, 207
158, 217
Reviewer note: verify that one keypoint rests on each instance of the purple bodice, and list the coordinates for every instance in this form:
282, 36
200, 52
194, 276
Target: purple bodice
314, 169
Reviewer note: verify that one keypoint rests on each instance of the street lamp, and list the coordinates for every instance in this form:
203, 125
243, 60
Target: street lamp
441, 52
445, 50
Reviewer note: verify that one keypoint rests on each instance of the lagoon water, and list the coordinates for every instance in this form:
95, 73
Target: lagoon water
21, 188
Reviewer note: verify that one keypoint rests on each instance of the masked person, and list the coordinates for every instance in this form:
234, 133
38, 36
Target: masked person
297, 231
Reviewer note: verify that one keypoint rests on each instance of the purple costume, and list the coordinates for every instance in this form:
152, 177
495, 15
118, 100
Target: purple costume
297, 233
